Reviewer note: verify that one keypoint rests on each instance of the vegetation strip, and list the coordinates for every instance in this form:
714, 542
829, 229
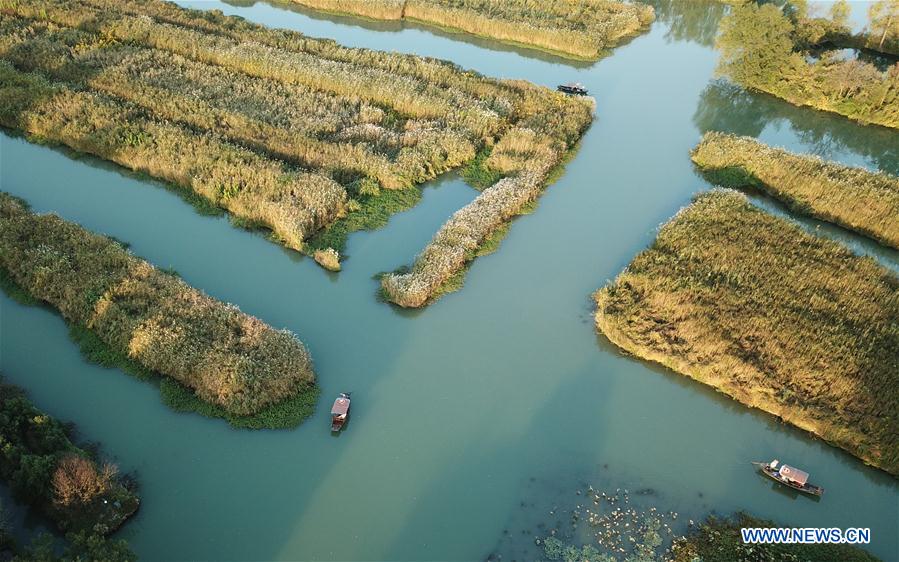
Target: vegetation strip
297, 135
44, 469
719, 540
776, 318
527, 160
768, 48
122, 309
863, 201
578, 29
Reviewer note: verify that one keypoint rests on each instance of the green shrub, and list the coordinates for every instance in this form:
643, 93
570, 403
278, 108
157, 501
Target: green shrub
34, 452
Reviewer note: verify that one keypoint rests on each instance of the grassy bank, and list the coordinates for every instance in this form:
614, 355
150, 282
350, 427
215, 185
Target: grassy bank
770, 315
527, 163
126, 313
854, 198
766, 48
47, 471
578, 29
289, 133
719, 540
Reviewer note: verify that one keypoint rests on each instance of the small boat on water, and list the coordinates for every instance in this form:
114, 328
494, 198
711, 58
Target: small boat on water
574, 88
789, 476
340, 411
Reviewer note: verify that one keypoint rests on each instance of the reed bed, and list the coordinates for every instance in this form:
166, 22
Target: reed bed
261, 191
43, 468
526, 157
576, 28
775, 317
862, 201
345, 138
343, 125
225, 357
455, 243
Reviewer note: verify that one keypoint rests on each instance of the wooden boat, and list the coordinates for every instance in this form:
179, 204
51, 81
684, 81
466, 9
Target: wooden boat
789, 476
340, 411
574, 88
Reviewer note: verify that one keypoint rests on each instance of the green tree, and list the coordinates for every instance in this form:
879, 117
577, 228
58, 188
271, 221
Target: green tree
87, 547
840, 12
755, 44
883, 19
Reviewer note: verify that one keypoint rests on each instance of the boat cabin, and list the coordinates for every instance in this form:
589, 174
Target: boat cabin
340, 411
789, 476
573, 88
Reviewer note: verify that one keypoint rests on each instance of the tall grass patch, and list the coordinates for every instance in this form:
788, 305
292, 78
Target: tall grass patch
122, 309
297, 135
770, 315
863, 201
576, 28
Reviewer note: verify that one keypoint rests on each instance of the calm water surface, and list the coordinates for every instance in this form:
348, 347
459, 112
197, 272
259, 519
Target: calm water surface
472, 416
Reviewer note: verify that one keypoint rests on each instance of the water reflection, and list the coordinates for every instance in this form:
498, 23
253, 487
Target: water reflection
693, 20
724, 106
400, 25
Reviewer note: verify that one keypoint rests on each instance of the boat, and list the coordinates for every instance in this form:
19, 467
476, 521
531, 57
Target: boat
789, 476
574, 88
340, 411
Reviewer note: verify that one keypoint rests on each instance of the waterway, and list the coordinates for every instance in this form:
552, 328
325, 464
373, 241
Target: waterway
475, 415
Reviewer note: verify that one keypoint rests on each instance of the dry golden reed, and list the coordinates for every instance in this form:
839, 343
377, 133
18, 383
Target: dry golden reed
576, 28
775, 317
224, 356
855, 198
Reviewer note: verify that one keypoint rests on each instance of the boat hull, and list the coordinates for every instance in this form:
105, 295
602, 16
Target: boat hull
808, 489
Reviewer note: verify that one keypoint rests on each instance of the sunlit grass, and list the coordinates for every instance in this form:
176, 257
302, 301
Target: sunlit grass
777, 318
577, 28
863, 201
127, 314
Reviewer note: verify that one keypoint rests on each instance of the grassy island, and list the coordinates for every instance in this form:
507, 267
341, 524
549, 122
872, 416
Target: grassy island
719, 540
863, 201
45, 470
526, 161
125, 312
772, 49
297, 135
577, 29
774, 317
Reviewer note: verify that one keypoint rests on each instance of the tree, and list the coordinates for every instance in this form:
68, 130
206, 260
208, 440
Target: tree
78, 482
755, 44
840, 12
883, 19
87, 547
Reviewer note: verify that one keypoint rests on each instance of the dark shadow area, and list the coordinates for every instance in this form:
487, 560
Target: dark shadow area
693, 20
726, 107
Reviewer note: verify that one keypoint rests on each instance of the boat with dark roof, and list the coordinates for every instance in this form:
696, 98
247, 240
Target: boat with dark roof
573, 88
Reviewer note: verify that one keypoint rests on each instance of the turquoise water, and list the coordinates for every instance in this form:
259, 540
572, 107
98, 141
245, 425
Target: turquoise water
472, 415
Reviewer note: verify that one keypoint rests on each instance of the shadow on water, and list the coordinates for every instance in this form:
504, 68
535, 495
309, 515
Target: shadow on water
860, 245
395, 26
693, 20
558, 416
724, 106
